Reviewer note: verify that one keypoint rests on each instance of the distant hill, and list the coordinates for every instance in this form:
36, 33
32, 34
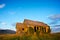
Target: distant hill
7, 31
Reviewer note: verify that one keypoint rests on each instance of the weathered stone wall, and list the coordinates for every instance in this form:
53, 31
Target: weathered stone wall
32, 24
21, 28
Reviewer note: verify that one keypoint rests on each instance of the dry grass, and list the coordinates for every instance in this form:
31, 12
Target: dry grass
55, 36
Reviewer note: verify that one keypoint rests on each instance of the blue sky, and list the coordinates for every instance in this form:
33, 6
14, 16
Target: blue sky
13, 11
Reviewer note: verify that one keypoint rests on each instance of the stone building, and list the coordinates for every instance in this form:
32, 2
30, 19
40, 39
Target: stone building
22, 28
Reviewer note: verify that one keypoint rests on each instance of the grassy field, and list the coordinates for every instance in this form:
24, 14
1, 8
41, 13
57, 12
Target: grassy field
54, 36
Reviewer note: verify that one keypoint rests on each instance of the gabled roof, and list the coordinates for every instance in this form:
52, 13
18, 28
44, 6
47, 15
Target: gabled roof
26, 21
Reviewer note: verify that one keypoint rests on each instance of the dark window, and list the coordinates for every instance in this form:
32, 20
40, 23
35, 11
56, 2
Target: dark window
35, 28
22, 28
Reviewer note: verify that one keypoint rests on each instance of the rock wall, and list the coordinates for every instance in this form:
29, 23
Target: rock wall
22, 28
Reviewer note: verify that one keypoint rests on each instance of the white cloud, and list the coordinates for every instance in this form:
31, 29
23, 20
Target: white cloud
55, 18
2, 23
56, 26
2, 5
55, 29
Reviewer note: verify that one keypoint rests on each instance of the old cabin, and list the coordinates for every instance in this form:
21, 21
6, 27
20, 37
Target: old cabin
22, 28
